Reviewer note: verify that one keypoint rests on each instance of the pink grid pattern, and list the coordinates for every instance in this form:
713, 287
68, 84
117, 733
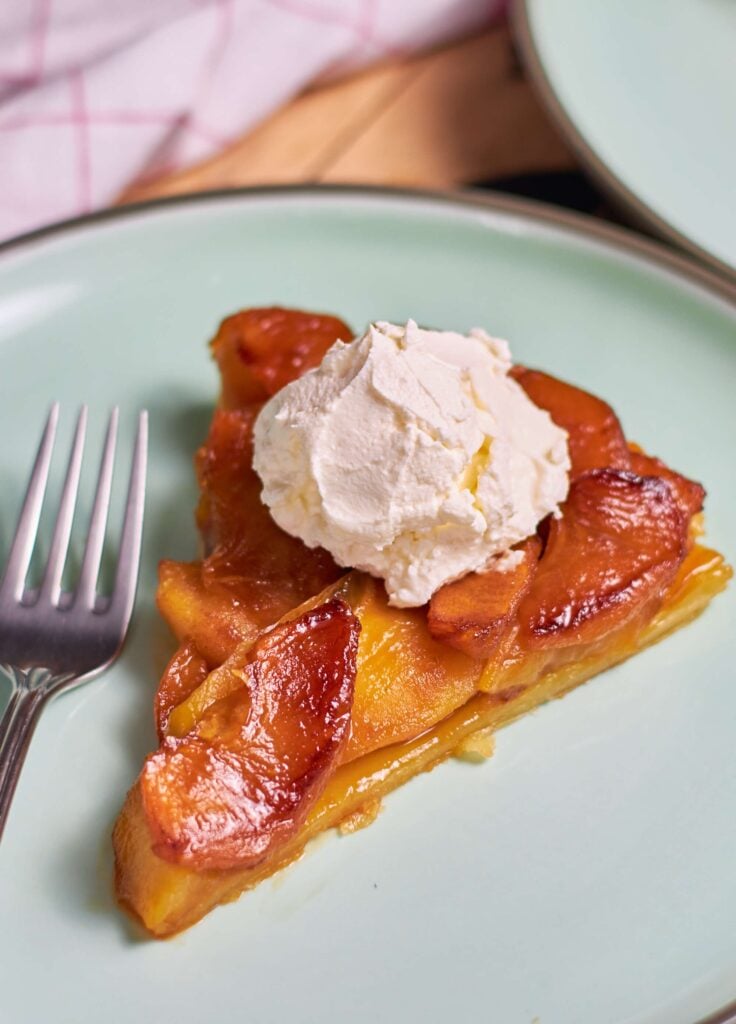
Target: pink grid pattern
78, 129
360, 20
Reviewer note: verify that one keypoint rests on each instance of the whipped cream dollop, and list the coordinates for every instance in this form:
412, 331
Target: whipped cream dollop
411, 454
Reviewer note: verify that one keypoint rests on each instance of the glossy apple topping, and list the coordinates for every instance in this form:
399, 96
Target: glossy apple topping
617, 545
242, 781
258, 351
688, 494
473, 613
595, 437
243, 542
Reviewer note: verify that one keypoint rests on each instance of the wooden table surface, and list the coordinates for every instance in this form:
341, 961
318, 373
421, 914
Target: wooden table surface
461, 114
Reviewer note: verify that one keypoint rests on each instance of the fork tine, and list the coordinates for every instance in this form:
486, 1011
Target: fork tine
51, 586
126, 576
85, 593
25, 534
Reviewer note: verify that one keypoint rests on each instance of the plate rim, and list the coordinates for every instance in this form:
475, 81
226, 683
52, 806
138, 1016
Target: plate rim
612, 237
623, 197
584, 226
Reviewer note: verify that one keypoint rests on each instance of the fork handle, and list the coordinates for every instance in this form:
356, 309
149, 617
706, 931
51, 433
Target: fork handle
29, 694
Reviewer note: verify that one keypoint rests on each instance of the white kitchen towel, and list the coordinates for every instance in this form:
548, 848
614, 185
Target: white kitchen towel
98, 94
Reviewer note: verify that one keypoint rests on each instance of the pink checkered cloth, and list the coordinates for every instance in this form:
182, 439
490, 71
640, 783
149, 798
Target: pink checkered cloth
98, 94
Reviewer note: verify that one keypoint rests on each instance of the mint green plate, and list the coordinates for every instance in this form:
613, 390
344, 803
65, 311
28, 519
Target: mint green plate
645, 91
588, 871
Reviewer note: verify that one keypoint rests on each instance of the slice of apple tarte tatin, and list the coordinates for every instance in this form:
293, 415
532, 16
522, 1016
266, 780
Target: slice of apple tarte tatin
409, 542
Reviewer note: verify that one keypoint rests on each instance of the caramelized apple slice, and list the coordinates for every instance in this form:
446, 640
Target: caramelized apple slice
229, 486
407, 681
254, 572
689, 494
241, 783
258, 351
185, 672
213, 617
596, 439
241, 538
617, 546
473, 613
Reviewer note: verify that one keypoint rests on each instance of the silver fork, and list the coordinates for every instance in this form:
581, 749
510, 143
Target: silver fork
51, 639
